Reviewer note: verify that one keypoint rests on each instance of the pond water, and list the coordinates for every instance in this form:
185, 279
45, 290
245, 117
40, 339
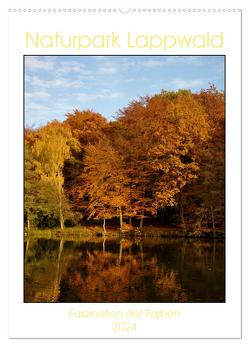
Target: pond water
124, 270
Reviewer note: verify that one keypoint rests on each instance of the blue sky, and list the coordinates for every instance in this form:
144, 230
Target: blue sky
55, 85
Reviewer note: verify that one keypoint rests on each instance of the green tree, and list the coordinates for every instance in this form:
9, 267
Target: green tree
52, 147
31, 181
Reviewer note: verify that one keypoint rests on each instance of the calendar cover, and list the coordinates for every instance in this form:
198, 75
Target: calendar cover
125, 141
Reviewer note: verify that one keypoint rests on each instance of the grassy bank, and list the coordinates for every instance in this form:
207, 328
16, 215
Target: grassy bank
94, 232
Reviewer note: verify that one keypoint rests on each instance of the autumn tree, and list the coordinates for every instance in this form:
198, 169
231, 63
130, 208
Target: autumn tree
105, 182
162, 151
51, 149
87, 128
133, 138
31, 181
161, 134
183, 128
37, 192
207, 194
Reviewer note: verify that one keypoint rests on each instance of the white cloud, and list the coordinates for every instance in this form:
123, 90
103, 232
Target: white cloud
55, 83
33, 106
186, 84
154, 63
107, 69
66, 83
70, 66
76, 84
173, 60
38, 63
104, 94
37, 82
36, 95
109, 65
193, 60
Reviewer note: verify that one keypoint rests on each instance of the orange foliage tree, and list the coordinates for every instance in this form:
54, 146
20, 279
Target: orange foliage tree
105, 182
162, 151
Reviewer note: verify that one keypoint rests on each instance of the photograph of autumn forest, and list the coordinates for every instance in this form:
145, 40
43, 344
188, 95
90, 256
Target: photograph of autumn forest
124, 179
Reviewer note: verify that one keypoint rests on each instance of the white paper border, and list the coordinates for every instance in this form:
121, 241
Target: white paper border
23, 311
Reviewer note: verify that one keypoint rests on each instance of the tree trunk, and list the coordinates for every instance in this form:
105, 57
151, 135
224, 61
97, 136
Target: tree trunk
120, 218
104, 229
213, 222
28, 224
120, 251
61, 220
27, 248
104, 244
141, 221
104, 234
60, 192
130, 220
60, 249
181, 215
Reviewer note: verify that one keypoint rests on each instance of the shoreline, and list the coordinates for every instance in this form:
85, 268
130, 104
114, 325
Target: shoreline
96, 232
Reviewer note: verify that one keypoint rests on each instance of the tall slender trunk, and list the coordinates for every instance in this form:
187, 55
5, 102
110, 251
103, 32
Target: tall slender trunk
130, 220
60, 191
104, 234
212, 215
104, 229
104, 243
61, 219
60, 249
181, 214
28, 223
141, 221
27, 248
120, 251
120, 218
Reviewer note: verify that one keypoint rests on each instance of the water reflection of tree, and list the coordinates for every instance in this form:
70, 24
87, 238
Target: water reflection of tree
129, 270
43, 272
126, 277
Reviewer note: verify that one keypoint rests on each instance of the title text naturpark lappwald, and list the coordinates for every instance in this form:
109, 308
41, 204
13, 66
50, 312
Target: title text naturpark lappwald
117, 41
